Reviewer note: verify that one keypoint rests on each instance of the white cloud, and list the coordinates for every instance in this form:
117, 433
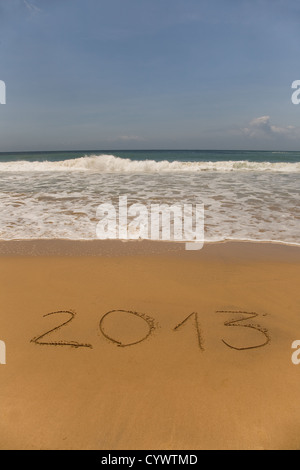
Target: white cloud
262, 127
130, 138
31, 6
124, 139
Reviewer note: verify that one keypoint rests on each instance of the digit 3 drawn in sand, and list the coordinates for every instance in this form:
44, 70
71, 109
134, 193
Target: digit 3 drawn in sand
250, 316
149, 320
73, 344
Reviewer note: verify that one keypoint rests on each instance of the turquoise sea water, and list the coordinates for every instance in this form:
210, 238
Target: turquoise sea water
159, 155
248, 195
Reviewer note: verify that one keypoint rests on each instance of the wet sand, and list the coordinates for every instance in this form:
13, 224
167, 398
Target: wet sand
151, 347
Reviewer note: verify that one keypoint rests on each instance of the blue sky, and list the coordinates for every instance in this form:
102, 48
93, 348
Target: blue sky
146, 74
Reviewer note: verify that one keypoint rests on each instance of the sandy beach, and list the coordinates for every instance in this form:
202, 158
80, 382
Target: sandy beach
132, 135
158, 348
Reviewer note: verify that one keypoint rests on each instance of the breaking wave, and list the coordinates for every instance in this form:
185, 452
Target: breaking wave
111, 164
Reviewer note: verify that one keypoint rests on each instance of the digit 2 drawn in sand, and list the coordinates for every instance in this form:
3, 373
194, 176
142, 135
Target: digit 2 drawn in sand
149, 320
197, 326
232, 323
74, 344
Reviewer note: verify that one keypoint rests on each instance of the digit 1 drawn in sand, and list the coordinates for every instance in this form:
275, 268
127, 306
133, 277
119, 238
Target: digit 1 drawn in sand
232, 323
73, 344
149, 320
197, 326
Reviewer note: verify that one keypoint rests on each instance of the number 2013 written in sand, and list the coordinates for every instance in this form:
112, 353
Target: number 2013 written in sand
243, 320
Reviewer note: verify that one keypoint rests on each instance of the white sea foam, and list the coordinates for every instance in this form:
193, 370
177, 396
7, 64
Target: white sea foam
111, 164
243, 200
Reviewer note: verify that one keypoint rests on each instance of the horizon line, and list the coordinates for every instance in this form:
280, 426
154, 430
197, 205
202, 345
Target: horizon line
148, 150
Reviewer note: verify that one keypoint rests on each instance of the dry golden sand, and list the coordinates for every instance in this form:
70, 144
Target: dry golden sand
176, 389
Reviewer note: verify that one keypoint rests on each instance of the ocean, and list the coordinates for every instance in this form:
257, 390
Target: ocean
248, 195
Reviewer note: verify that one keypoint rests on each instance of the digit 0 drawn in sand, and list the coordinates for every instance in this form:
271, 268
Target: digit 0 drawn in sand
149, 320
73, 344
251, 315
197, 326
